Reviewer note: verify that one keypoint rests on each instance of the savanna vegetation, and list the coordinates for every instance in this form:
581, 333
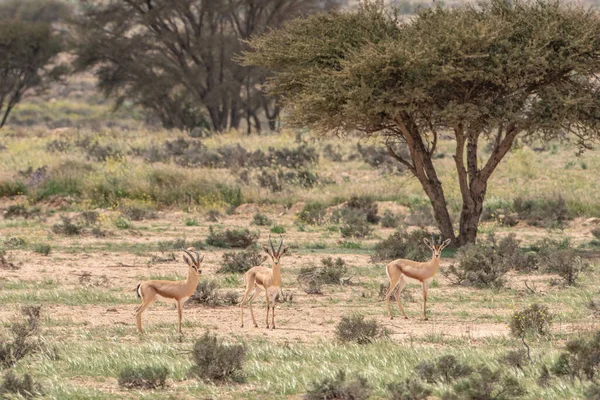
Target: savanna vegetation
94, 200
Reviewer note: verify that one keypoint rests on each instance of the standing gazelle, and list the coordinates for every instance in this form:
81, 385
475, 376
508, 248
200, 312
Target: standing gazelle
401, 271
178, 291
260, 278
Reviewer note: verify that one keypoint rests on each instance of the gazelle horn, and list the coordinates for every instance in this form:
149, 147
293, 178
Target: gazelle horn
280, 244
271, 244
189, 254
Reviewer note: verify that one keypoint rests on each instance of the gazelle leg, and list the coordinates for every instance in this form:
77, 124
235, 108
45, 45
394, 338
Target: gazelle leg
249, 288
267, 297
257, 291
393, 283
146, 302
273, 316
425, 287
179, 312
401, 284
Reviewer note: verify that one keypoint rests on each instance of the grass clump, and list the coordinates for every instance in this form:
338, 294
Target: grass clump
42, 248
216, 361
24, 387
581, 360
444, 369
241, 238
22, 342
535, 319
356, 329
240, 262
143, 378
278, 229
339, 388
402, 244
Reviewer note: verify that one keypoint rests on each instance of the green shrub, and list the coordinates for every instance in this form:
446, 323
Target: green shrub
66, 227
547, 213
401, 244
191, 222
355, 329
143, 378
278, 229
339, 388
9, 189
25, 387
354, 224
389, 219
123, 223
261, 220
215, 361
364, 205
240, 262
535, 319
559, 257
231, 238
42, 248
206, 293
581, 360
484, 264
409, 389
444, 369
313, 213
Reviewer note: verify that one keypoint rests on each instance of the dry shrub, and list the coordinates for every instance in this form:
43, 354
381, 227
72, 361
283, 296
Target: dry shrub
240, 262
206, 293
332, 272
444, 369
536, 319
379, 157
389, 219
22, 342
261, 220
66, 227
402, 244
216, 361
581, 360
547, 213
355, 329
485, 383
339, 388
231, 238
25, 387
21, 211
5, 262
409, 389
515, 358
143, 378
312, 213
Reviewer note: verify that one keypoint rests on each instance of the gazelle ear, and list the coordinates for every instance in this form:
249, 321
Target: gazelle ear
187, 260
285, 250
446, 243
427, 242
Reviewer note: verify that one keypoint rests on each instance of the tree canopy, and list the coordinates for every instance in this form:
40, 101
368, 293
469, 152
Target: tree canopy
174, 57
489, 71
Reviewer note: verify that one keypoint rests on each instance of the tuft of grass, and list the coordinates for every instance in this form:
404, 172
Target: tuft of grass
24, 387
216, 361
278, 229
42, 248
340, 387
261, 220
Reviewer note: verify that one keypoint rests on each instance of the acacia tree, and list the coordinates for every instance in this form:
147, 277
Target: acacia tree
491, 71
174, 57
27, 54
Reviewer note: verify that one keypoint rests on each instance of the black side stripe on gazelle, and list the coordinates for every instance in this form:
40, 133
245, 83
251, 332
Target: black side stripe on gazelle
139, 293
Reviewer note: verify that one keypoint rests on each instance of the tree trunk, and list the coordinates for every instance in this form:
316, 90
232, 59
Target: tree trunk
470, 214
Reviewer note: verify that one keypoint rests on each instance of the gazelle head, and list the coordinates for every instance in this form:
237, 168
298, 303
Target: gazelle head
193, 262
438, 246
276, 255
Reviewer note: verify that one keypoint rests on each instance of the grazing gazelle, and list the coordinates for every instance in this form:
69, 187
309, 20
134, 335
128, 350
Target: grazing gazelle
260, 278
178, 291
401, 271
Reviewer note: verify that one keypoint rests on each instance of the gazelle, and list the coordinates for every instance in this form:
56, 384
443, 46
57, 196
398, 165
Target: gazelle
401, 271
178, 291
260, 278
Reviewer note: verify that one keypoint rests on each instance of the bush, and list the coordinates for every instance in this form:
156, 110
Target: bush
408, 390
143, 378
137, 213
240, 262
339, 388
389, 220
19, 210
206, 293
216, 361
66, 227
593, 392
379, 157
22, 343
355, 329
421, 215
596, 233
5, 262
547, 213
231, 238
42, 248
535, 319
355, 225
277, 229
485, 383
25, 387
366, 206
401, 244
261, 220
313, 278
515, 358
444, 369
581, 360
484, 264
313, 213
560, 258
333, 154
